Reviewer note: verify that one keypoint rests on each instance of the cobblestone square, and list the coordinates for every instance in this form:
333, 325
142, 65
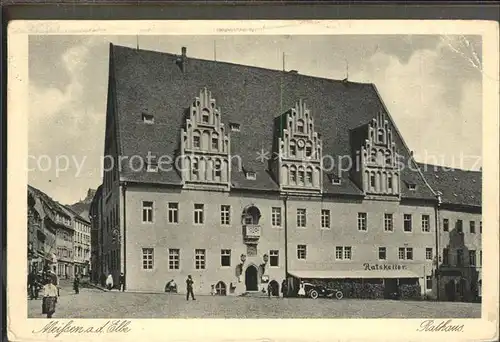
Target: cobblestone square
94, 303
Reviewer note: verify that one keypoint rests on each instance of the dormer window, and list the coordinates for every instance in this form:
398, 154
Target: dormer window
196, 141
148, 118
235, 127
300, 126
412, 186
335, 179
152, 165
250, 175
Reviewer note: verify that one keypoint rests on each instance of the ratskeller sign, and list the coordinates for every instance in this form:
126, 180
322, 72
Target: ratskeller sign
391, 267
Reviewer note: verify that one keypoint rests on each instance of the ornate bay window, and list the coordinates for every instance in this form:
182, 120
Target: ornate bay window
299, 163
205, 146
377, 172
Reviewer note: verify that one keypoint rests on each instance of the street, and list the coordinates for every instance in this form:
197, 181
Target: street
94, 303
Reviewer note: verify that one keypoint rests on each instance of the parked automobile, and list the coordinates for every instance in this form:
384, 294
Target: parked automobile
315, 291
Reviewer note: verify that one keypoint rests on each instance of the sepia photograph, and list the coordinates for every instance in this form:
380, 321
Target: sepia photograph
255, 176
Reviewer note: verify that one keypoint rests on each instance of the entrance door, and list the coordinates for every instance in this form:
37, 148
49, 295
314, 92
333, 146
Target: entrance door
251, 278
391, 288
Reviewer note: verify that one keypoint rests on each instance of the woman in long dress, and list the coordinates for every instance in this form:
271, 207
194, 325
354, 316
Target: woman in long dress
109, 282
302, 291
49, 297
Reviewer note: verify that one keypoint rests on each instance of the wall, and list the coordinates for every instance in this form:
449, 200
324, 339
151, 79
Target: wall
187, 236
454, 240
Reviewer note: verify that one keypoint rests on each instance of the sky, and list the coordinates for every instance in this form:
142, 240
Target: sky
431, 85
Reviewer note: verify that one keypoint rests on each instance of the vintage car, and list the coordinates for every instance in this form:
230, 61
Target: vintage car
314, 291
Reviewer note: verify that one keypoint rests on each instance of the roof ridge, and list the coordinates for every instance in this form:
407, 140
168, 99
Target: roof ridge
243, 65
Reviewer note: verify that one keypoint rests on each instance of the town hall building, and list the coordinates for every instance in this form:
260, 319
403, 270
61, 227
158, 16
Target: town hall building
242, 177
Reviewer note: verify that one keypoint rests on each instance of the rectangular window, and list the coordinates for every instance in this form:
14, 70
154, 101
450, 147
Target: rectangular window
405, 253
293, 177
339, 253
225, 257
472, 227
428, 282
147, 211
173, 258
309, 177
276, 217
225, 215
173, 212
274, 258
301, 218
480, 227
362, 221
198, 213
388, 222
472, 258
389, 182
199, 259
460, 226
301, 177
194, 169
428, 253
293, 150
147, 258
460, 257
407, 227
301, 252
215, 144
382, 253
446, 225
372, 181
325, 218
347, 253
196, 142
148, 118
426, 223
446, 256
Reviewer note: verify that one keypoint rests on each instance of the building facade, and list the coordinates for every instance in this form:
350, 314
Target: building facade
95, 213
47, 224
244, 177
81, 244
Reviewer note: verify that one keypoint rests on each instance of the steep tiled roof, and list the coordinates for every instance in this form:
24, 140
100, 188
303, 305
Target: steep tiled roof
53, 205
457, 186
151, 82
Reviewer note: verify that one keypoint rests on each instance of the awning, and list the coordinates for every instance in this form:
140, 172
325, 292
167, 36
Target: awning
353, 274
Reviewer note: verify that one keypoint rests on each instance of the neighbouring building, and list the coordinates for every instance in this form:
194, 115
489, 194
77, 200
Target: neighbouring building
276, 175
81, 244
46, 218
95, 213
460, 231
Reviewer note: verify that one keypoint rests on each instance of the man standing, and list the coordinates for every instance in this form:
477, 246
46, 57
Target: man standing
189, 286
32, 284
122, 282
76, 284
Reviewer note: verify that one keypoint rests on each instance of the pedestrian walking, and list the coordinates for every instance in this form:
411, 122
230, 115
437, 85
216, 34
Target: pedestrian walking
76, 284
122, 282
50, 295
109, 282
284, 288
269, 290
302, 291
55, 280
189, 287
212, 290
32, 284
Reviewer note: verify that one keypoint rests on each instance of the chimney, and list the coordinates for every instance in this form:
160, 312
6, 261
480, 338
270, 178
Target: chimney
182, 60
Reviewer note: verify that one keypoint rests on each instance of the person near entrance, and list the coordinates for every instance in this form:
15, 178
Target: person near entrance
284, 288
122, 282
76, 284
302, 291
189, 287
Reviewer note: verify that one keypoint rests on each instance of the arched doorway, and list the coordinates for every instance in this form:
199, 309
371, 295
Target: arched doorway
251, 278
275, 288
